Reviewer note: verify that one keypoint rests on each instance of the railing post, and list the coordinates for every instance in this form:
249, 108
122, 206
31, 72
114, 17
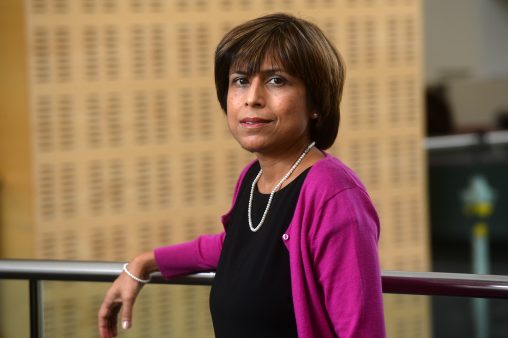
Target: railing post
36, 311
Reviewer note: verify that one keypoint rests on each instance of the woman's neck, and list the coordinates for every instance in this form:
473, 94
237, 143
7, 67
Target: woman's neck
276, 166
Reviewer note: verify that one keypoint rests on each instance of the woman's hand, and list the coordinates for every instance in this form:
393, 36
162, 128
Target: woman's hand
122, 295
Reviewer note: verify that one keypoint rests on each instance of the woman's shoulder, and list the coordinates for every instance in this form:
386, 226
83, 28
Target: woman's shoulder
331, 175
331, 184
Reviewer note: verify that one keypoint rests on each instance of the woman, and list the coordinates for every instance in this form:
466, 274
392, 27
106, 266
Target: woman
298, 256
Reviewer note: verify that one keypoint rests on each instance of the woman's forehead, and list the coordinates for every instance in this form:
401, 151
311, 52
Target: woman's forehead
250, 65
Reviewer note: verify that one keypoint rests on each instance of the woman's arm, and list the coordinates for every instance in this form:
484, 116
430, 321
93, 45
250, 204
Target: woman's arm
122, 295
198, 255
201, 254
347, 264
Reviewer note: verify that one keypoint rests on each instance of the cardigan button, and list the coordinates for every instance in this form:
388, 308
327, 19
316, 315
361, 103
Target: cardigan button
285, 237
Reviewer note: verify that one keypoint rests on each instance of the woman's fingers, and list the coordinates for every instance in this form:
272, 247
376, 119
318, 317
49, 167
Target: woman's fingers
121, 295
128, 298
113, 319
128, 303
108, 314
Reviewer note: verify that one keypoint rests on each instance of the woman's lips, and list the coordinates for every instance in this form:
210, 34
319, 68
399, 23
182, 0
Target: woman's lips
253, 122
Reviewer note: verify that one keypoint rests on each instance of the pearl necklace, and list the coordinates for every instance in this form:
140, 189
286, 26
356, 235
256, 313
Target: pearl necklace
293, 168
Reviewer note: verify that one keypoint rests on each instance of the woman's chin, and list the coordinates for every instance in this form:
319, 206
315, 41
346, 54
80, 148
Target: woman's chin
250, 148
251, 144
253, 147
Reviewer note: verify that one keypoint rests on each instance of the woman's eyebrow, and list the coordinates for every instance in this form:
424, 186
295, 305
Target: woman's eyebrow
269, 71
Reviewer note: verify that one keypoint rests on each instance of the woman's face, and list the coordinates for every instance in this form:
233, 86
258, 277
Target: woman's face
267, 112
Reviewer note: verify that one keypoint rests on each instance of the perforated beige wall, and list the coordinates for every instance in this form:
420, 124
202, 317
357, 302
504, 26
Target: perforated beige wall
382, 137
130, 149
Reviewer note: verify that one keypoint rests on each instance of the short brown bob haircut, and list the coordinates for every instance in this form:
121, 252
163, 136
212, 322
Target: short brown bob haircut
301, 49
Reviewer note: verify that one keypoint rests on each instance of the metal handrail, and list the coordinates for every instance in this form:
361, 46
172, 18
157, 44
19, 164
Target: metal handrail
466, 140
399, 282
84, 271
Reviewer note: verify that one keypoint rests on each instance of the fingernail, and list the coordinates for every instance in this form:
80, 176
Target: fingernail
126, 324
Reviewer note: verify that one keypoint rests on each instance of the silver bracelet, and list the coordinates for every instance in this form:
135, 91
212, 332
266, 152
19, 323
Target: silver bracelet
136, 278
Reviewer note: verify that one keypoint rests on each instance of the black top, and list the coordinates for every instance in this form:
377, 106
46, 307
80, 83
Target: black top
251, 292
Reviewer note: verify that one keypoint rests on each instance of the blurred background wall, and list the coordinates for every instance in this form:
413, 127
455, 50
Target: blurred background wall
465, 51
113, 142
466, 80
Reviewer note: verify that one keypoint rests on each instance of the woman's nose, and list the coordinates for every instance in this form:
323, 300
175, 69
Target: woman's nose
255, 95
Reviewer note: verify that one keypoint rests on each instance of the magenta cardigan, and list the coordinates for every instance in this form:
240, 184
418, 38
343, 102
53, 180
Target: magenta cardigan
332, 243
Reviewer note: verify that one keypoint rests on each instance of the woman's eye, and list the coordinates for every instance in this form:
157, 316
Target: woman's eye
277, 80
240, 81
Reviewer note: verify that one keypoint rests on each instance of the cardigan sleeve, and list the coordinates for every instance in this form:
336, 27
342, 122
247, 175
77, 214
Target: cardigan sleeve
344, 250
201, 254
